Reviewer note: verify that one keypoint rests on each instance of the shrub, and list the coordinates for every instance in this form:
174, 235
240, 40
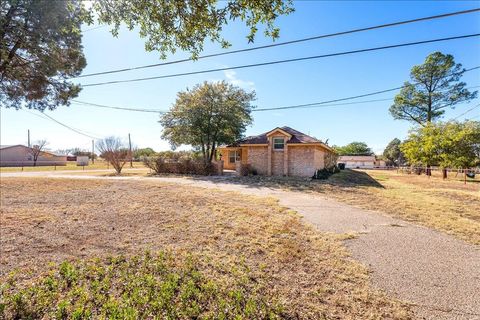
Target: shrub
138, 287
325, 173
178, 164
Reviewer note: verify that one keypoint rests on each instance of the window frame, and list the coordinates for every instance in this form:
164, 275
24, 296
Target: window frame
274, 144
230, 156
237, 155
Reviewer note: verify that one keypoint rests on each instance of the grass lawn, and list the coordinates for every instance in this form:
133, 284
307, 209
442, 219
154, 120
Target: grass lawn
214, 255
448, 206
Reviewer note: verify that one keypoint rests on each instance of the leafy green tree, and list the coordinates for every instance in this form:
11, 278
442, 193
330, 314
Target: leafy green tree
40, 49
393, 154
446, 144
354, 148
435, 86
186, 25
89, 154
208, 115
143, 152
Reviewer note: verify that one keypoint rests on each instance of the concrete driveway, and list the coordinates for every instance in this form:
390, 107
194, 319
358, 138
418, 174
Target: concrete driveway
437, 273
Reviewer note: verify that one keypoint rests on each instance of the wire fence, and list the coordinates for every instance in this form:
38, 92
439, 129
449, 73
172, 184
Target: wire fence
30, 165
466, 174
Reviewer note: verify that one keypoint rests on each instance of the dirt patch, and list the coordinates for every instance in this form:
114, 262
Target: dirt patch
311, 273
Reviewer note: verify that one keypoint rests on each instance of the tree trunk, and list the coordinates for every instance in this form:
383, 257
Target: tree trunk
204, 154
444, 173
212, 153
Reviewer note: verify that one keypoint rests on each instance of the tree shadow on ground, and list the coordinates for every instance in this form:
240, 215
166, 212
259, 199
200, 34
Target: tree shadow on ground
346, 179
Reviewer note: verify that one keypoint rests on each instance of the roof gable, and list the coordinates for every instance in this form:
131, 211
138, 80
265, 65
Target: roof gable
278, 130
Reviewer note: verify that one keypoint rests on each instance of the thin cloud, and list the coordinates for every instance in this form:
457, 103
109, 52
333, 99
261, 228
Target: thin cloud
231, 76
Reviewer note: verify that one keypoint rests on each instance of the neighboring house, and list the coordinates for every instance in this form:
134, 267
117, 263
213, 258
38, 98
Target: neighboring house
366, 162
280, 152
21, 156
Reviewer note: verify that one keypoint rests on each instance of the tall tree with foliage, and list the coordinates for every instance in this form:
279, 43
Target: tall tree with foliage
40, 49
170, 25
393, 153
143, 152
435, 86
208, 115
354, 148
446, 144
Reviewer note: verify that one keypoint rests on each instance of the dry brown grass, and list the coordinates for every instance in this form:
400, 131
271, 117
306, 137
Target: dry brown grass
310, 273
449, 206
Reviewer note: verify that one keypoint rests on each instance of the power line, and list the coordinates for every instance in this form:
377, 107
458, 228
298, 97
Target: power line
328, 103
283, 61
284, 43
165, 111
323, 103
103, 26
118, 108
464, 113
43, 115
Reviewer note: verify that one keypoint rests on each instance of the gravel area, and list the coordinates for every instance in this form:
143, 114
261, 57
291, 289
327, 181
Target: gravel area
437, 273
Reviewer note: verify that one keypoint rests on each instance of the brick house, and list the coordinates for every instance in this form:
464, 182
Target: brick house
280, 152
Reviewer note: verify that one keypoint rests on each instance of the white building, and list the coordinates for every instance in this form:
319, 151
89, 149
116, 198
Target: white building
361, 162
21, 156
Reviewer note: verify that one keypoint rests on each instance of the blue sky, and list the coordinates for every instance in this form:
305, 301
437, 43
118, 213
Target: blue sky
277, 85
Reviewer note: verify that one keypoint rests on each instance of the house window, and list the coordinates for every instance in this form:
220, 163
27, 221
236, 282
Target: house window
233, 156
278, 143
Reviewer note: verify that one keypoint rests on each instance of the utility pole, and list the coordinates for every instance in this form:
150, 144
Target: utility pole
93, 152
130, 148
29, 138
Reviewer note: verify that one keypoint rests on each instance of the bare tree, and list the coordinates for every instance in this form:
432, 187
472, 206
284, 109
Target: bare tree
114, 152
36, 150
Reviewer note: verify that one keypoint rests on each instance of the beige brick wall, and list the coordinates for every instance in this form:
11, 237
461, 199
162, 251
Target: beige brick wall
258, 158
301, 161
319, 159
277, 163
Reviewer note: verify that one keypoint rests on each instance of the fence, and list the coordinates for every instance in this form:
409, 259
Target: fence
466, 173
31, 163
11, 165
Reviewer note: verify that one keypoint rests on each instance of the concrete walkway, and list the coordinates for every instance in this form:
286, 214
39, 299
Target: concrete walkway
437, 273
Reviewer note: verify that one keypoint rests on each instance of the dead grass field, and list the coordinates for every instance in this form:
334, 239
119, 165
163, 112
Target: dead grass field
448, 206
71, 166
309, 273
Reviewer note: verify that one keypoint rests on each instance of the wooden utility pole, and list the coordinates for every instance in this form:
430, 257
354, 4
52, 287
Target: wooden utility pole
93, 152
29, 138
130, 148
